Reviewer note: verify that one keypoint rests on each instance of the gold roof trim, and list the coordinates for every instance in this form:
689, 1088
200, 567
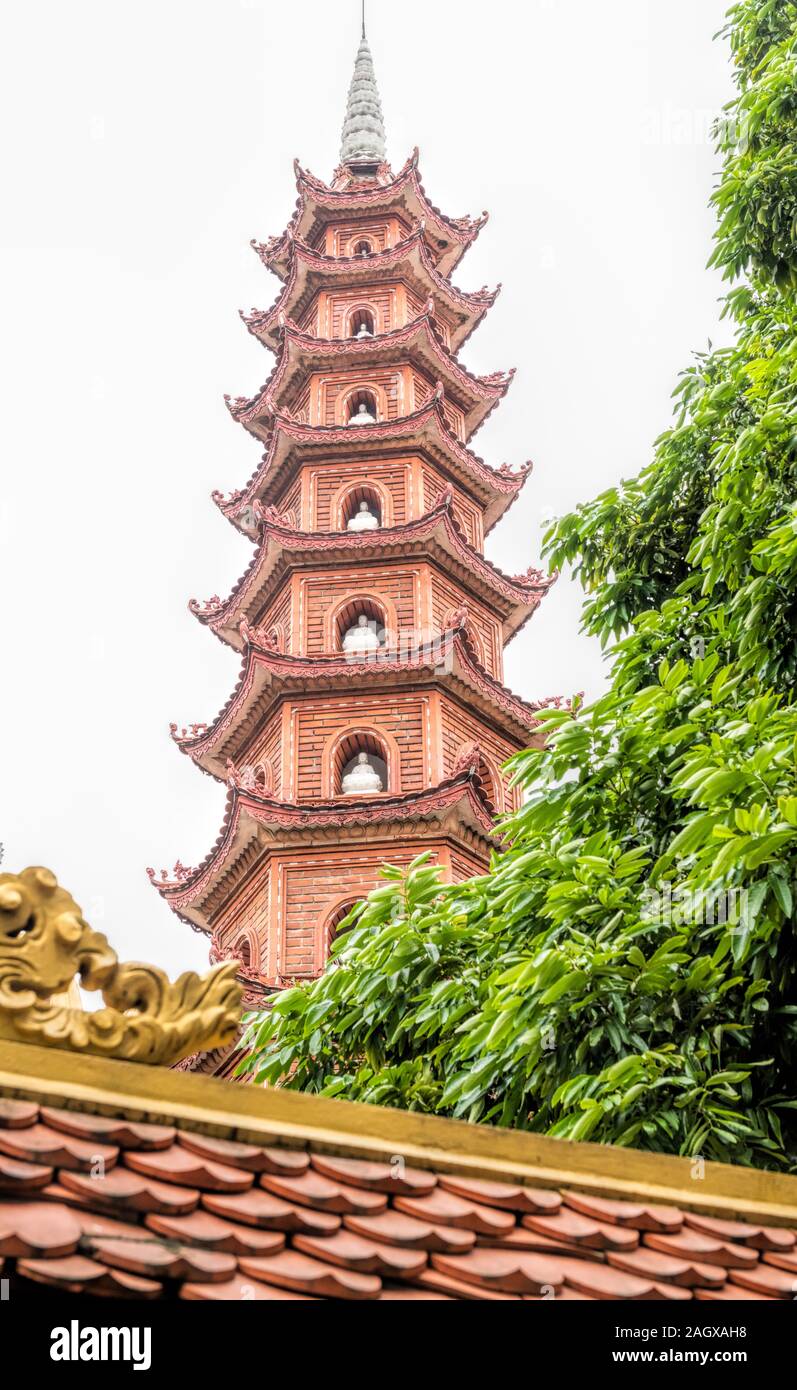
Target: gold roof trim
268, 1116
45, 943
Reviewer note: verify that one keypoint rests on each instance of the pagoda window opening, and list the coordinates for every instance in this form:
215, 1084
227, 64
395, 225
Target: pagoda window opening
362, 408
360, 627
243, 950
362, 324
474, 638
363, 247
486, 782
361, 509
332, 931
360, 766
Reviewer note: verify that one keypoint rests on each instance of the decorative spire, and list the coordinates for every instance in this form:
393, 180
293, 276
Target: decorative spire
363, 138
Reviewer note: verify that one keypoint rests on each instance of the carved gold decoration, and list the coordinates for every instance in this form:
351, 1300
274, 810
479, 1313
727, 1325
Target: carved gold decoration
45, 942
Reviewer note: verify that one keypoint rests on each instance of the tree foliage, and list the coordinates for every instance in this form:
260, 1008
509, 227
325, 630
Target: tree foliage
626, 970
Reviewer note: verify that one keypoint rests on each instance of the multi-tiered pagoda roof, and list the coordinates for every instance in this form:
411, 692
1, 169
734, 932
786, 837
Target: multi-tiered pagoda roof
368, 514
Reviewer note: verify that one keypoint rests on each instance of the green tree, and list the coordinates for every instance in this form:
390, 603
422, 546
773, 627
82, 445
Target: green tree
626, 970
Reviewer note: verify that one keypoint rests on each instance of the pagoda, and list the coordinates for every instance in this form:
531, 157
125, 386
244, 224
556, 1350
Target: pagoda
369, 722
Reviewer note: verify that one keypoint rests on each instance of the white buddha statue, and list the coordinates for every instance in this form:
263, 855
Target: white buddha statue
363, 331
362, 416
361, 639
363, 520
363, 779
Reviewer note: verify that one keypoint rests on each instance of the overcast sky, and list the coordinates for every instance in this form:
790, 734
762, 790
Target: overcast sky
144, 145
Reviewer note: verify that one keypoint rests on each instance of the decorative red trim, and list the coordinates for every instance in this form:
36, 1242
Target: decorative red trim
318, 670
187, 884
470, 304
474, 389
367, 197
501, 481
526, 590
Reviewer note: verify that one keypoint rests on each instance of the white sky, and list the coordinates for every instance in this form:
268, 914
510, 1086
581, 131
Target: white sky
143, 146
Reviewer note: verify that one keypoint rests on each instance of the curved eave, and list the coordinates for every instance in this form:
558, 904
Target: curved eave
409, 259
301, 353
252, 821
514, 600
289, 442
449, 237
267, 675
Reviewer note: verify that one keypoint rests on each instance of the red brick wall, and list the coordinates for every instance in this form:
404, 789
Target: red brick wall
387, 383
460, 726
248, 914
278, 611
465, 510
445, 595
382, 232
423, 389
325, 485
321, 593
402, 718
314, 884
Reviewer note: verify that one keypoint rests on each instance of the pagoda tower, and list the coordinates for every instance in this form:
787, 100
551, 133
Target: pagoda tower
369, 722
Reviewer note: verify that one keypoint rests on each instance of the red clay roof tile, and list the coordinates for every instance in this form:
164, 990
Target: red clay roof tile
504, 1271
33, 1229
532, 1200
602, 1281
434, 1280
39, 1143
731, 1293
17, 1177
270, 1213
693, 1244
159, 1260
249, 1157
396, 1228
290, 1269
128, 1134
128, 1191
757, 1237
761, 1278
392, 1179
781, 1259
217, 1219
210, 1232
640, 1216
16, 1114
570, 1226
410, 1295
312, 1189
242, 1290
666, 1269
442, 1208
177, 1165
78, 1274
355, 1252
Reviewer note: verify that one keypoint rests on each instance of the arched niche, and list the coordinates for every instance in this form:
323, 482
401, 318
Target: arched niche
343, 749
345, 614
346, 502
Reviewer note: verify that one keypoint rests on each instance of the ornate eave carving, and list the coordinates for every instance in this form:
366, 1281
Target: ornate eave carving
251, 820
318, 202
268, 677
301, 353
515, 599
408, 259
45, 943
291, 443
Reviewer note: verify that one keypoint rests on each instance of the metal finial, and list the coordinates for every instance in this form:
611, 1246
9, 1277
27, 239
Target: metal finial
363, 138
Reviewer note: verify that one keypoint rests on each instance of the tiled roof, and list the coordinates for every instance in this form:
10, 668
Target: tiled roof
99, 1205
